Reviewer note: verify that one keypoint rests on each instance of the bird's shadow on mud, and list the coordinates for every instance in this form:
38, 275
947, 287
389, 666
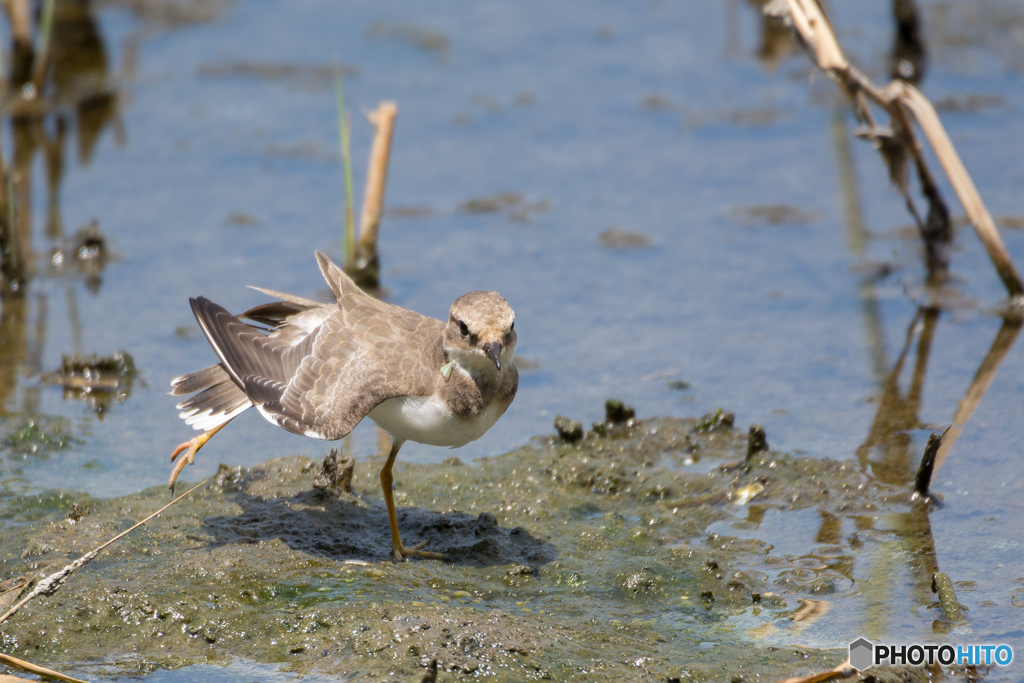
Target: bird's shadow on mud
342, 527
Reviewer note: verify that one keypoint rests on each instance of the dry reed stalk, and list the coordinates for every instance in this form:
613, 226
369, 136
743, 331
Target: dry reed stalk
844, 670
928, 119
32, 668
896, 99
52, 583
383, 120
21, 21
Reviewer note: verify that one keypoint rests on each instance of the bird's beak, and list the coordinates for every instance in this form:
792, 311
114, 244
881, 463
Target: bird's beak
493, 351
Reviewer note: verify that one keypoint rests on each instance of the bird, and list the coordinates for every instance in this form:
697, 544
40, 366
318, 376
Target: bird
317, 369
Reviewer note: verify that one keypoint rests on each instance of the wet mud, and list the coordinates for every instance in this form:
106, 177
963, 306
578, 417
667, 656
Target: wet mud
590, 560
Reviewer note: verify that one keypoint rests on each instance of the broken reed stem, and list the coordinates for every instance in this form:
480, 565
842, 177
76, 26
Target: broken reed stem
20, 17
53, 582
45, 34
349, 229
924, 473
843, 671
38, 670
815, 30
383, 120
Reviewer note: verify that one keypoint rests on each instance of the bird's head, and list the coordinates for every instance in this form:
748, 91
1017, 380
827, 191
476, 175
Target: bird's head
480, 336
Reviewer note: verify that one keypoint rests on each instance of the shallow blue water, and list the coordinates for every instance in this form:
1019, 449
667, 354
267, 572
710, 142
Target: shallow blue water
553, 102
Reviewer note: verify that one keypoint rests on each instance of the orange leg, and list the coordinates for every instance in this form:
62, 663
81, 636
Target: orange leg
398, 550
192, 446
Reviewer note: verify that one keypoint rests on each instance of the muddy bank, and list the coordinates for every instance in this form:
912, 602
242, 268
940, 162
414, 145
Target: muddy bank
590, 560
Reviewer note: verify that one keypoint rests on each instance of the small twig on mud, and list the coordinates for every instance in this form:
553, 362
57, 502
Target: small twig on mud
32, 668
897, 99
844, 670
365, 267
52, 583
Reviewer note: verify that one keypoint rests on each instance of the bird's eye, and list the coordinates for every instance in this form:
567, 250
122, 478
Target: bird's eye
463, 329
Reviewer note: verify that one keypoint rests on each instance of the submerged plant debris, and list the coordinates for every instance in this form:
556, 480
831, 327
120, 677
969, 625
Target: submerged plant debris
585, 561
39, 436
99, 381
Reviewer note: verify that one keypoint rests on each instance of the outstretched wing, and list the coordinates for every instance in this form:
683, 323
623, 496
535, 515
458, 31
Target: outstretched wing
362, 354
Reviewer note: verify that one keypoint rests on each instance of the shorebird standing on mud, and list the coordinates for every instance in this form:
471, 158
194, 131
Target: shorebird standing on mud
319, 369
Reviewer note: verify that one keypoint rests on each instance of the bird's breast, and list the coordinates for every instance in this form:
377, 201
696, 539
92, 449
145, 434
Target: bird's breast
429, 420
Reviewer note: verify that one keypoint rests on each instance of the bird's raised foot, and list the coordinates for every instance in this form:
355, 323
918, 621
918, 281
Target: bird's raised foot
401, 553
192, 445
190, 448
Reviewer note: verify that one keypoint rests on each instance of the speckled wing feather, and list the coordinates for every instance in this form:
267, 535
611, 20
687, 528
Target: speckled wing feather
364, 352
361, 358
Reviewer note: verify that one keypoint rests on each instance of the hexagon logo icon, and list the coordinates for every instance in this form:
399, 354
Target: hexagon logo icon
861, 654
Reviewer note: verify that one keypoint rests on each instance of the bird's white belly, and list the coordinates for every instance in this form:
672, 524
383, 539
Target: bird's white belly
428, 420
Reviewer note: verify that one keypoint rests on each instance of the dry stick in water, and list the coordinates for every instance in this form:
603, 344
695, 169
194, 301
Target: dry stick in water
53, 582
924, 473
815, 30
928, 119
32, 668
844, 670
367, 262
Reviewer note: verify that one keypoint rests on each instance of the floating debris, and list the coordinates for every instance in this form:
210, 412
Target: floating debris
951, 609
409, 212
1013, 222
772, 214
513, 204
300, 74
423, 38
656, 101
100, 382
969, 104
243, 220
744, 494
614, 238
40, 436
85, 252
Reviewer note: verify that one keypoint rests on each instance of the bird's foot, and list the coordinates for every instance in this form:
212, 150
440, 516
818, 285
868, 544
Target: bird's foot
192, 446
400, 552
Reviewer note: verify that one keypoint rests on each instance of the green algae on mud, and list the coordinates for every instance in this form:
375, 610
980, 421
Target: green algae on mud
590, 560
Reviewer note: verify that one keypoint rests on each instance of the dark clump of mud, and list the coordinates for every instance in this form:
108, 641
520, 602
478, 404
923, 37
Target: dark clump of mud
590, 560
